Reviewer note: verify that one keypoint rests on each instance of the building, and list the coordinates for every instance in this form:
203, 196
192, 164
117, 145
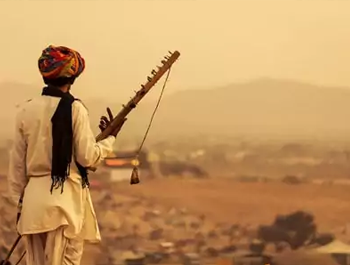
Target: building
119, 166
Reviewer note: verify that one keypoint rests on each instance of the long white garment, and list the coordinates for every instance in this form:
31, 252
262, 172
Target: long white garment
30, 171
53, 248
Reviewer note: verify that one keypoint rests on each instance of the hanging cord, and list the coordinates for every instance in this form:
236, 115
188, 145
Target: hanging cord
134, 179
153, 114
20, 259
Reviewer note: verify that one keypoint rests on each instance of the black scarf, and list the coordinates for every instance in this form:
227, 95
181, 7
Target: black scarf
62, 139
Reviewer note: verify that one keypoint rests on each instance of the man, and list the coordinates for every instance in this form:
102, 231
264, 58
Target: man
53, 147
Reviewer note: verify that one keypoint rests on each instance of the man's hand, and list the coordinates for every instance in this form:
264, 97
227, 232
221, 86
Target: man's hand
117, 129
104, 121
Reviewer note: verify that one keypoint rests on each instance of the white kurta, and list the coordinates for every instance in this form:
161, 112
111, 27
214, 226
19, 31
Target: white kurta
30, 171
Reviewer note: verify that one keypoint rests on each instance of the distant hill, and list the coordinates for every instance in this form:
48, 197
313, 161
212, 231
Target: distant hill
259, 107
265, 106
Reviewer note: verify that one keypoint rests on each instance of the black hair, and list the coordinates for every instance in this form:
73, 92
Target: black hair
60, 81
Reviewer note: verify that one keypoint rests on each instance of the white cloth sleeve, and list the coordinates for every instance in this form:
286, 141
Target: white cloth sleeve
88, 152
17, 177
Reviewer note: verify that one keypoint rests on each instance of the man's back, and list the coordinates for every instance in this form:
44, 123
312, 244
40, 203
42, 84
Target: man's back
34, 120
31, 155
30, 168
34, 123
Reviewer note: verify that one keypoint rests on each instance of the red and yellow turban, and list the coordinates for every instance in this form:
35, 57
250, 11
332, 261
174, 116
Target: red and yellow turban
60, 61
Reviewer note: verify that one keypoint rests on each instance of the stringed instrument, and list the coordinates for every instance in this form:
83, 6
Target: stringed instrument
151, 81
119, 118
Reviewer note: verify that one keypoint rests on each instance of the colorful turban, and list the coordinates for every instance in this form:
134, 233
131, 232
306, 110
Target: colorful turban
60, 61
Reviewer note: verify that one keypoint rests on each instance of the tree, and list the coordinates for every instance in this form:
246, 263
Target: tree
297, 229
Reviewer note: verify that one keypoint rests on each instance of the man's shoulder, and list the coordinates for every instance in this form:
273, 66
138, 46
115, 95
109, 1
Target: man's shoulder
81, 102
79, 106
25, 109
23, 104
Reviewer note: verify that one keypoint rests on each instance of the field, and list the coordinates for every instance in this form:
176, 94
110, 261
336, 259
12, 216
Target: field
247, 203
227, 201
244, 188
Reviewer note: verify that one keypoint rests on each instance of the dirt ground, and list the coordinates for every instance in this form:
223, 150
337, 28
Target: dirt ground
229, 201
223, 200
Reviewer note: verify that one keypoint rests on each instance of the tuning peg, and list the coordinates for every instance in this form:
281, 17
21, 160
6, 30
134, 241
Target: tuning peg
163, 62
167, 57
153, 72
149, 79
142, 86
123, 106
170, 53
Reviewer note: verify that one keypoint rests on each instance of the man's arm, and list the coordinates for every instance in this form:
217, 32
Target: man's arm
88, 152
17, 178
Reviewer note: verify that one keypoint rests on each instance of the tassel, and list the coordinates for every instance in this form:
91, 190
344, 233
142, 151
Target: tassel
134, 176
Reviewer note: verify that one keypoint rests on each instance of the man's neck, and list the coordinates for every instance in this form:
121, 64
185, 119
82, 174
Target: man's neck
64, 88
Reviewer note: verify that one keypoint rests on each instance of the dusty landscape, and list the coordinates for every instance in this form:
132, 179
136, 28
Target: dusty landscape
221, 187
197, 210
214, 196
247, 161
172, 215
246, 203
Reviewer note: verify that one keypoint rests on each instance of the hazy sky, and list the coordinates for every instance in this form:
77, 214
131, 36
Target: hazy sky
220, 41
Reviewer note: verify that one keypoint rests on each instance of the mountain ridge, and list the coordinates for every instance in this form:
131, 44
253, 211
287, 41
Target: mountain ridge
260, 106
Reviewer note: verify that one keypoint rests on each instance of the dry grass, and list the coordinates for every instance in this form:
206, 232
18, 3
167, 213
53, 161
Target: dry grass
249, 203
225, 200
